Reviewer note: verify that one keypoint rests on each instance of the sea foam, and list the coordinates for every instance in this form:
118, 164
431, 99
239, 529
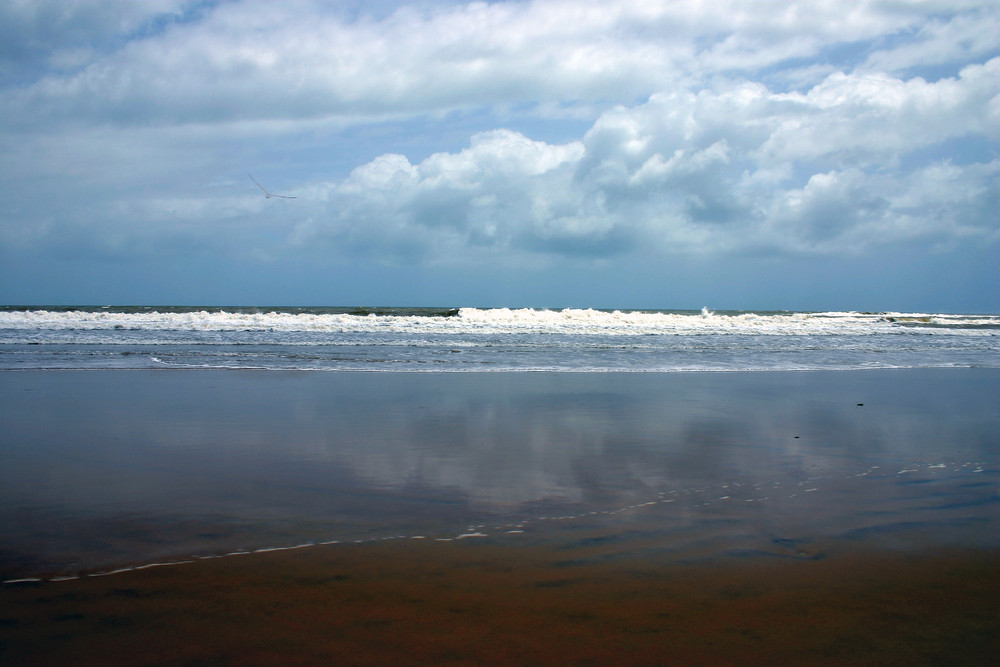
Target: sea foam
496, 320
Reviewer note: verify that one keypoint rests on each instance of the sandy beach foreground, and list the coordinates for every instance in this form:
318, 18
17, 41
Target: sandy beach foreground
476, 603
384, 518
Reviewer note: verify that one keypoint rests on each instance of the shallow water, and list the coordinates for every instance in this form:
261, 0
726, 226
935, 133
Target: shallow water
100, 469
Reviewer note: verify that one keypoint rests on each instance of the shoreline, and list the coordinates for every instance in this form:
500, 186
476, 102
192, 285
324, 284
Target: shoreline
652, 526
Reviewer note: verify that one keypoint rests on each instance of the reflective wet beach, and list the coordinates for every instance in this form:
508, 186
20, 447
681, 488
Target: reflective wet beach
105, 469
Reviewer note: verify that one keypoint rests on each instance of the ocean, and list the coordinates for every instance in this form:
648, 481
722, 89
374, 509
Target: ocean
140, 436
489, 339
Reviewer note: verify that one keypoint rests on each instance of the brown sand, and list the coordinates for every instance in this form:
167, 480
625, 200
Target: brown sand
475, 602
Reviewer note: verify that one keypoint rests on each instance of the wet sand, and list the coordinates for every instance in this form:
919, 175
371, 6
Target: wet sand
482, 602
717, 519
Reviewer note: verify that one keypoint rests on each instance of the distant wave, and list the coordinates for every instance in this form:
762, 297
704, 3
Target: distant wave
490, 320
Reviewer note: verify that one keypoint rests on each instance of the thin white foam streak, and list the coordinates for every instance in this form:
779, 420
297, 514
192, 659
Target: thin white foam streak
678, 502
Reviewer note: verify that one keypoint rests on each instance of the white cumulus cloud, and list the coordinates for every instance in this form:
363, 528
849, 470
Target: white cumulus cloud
834, 169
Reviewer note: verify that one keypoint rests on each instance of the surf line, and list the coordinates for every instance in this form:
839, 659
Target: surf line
518, 528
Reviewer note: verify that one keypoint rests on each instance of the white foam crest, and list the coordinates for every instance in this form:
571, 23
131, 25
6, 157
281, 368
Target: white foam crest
577, 321
569, 321
630, 322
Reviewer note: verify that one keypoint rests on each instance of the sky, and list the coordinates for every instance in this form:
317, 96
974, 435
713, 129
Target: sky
790, 154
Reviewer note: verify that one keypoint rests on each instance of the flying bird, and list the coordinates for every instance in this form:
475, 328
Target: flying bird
268, 194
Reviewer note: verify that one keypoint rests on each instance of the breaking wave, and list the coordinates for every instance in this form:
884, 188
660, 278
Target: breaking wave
490, 320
